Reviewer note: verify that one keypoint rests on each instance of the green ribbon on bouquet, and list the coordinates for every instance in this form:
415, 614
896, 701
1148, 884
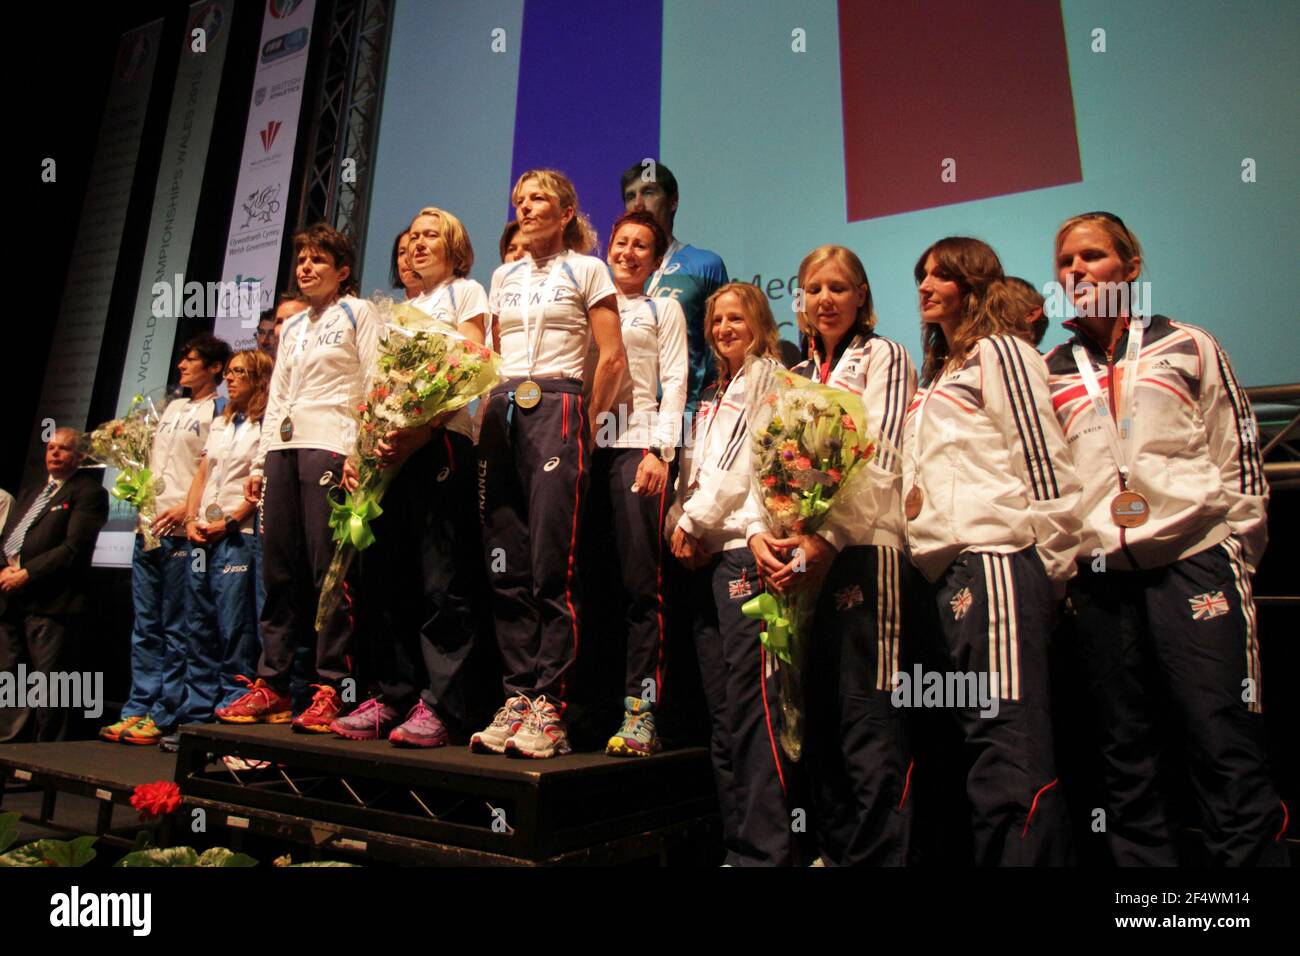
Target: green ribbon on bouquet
813, 506
776, 636
131, 486
351, 521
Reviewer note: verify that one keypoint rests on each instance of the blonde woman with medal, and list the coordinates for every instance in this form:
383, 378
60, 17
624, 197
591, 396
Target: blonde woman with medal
858, 760
159, 576
326, 354
1175, 522
709, 527
221, 526
419, 579
534, 455
636, 446
992, 522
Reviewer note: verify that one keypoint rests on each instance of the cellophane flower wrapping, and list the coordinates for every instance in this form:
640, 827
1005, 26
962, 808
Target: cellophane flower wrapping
421, 372
126, 444
809, 453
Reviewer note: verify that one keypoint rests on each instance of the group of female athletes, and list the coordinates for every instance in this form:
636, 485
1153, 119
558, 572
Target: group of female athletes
1110, 493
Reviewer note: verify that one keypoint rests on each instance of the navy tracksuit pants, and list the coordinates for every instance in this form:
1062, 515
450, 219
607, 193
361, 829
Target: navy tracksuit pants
859, 761
297, 547
992, 615
1189, 627
533, 472
418, 581
741, 689
160, 595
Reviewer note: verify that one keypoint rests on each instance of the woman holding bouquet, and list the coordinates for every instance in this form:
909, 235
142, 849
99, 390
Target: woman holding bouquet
159, 585
533, 455
427, 541
1177, 508
858, 762
709, 536
220, 524
309, 429
991, 507
636, 444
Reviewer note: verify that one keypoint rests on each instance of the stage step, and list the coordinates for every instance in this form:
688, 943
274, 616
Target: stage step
447, 804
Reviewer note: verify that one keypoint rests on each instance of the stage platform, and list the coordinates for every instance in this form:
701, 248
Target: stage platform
104, 772
368, 799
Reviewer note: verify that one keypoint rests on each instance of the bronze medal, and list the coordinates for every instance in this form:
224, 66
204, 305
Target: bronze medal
528, 394
912, 503
1128, 509
286, 429
213, 512
159, 486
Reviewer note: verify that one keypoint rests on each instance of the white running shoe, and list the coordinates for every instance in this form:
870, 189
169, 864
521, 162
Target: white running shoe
505, 724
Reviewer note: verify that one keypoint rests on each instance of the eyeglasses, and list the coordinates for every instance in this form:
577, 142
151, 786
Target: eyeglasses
236, 373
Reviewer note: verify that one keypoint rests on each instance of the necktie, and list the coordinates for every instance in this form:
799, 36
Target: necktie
14, 543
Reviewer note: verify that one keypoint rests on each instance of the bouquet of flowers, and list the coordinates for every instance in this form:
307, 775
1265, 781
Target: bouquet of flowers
809, 454
421, 373
126, 444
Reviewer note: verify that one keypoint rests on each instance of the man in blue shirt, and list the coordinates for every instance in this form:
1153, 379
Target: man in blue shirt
687, 274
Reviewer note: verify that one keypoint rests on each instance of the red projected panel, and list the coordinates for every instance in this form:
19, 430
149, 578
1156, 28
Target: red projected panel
985, 85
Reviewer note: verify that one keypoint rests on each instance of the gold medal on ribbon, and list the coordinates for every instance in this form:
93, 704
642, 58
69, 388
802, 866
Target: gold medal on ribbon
213, 512
528, 394
286, 429
912, 503
1128, 509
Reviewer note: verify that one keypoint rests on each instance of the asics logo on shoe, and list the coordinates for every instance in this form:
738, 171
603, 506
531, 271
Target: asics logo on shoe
551, 464
234, 569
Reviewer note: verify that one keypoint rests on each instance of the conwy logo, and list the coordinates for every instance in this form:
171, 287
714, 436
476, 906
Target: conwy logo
269, 133
282, 8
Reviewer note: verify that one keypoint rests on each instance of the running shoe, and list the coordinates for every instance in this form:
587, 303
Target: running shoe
637, 737
113, 732
542, 735
370, 721
145, 733
504, 725
318, 717
422, 728
262, 704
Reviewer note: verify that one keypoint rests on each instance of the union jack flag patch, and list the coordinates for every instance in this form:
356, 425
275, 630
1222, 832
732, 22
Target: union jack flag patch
739, 588
1208, 605
960, 603
849, 597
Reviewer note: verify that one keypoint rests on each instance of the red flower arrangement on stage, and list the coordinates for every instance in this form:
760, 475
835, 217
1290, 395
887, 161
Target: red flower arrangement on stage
156, 799
421, 374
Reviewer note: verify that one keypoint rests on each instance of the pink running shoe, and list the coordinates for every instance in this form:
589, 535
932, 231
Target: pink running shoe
422, 728
370, 721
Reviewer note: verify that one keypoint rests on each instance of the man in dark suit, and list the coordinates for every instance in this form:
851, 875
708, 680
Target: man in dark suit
48, 540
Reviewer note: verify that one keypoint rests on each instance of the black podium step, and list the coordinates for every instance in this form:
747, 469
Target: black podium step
447, 803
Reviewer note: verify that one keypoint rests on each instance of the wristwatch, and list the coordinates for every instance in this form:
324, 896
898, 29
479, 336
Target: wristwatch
666, 455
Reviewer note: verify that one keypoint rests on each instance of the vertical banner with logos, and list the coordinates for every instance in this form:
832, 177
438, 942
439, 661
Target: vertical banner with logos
162, 297
83, 313
257, 224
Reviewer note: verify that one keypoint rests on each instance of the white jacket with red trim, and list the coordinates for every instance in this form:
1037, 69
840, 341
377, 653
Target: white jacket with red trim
882, 373
1195, 447
993, 468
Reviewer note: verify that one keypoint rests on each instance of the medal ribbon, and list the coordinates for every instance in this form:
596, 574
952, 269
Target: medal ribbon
1119, 437
532, 343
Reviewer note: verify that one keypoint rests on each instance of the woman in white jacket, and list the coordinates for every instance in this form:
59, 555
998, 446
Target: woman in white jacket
1175, 521
709, 536
991, 502
858, 762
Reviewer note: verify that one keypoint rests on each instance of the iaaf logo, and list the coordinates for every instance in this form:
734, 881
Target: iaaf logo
269, 133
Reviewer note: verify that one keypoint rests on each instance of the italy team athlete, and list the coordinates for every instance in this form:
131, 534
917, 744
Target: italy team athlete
1175, 523
220, 524
630, 467
427, 541
326, 354
991, 504
533, 455
858, 760
159, 576
709, 536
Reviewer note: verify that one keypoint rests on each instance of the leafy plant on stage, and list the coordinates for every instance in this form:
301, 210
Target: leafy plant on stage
420, 374
809, 454
76, 852
126, 444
